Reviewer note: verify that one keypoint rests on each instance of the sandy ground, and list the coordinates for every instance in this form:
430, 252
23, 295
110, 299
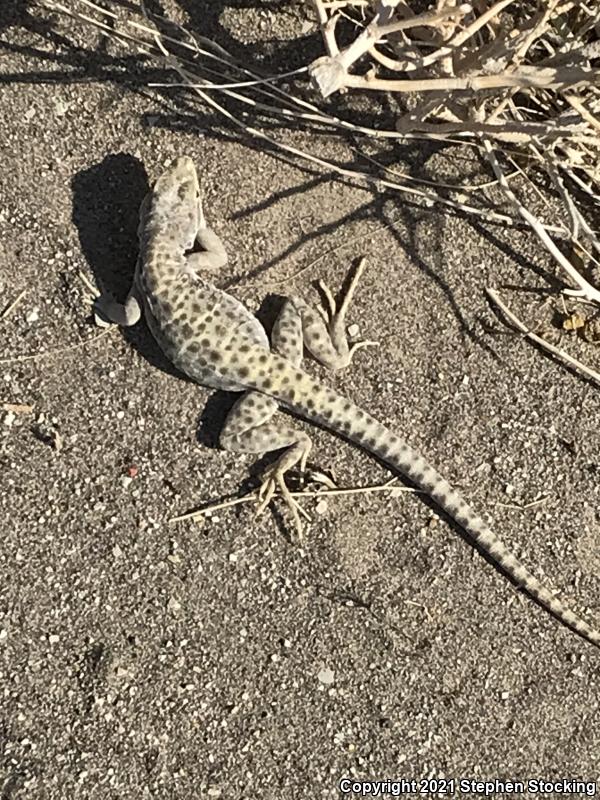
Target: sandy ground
143, 659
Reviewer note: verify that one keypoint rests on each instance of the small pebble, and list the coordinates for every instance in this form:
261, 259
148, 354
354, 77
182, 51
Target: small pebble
61, 108
173, 605
326, 676
321, 507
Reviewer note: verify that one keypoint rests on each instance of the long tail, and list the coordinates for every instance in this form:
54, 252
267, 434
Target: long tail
316, 402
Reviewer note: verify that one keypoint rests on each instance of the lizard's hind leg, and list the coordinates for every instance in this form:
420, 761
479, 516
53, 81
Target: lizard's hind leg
250, 428
323, 333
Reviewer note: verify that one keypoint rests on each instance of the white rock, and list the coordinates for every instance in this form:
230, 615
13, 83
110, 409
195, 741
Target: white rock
326, 676
321, 507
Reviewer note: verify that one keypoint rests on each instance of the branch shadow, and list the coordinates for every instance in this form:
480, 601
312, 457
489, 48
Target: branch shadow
181, 111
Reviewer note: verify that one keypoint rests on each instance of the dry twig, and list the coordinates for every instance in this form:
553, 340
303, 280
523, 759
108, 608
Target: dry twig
12, 305
510, 71
545, 345
252, 497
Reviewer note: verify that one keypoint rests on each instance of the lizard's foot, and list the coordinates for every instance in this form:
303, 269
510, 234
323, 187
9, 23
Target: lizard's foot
274, 478
107, 310
335, 318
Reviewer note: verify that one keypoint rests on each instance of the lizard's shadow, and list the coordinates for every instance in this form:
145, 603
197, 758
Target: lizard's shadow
106, 202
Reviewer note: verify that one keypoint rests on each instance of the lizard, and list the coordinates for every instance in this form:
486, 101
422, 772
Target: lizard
216, 341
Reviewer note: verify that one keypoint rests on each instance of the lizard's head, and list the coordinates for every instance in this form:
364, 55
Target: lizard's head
175, 197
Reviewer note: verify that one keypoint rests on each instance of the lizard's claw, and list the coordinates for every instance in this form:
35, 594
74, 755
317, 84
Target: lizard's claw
274, 478
335, 318
333, 312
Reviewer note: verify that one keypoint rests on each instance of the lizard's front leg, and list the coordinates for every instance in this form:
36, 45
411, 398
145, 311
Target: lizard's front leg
213, 255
